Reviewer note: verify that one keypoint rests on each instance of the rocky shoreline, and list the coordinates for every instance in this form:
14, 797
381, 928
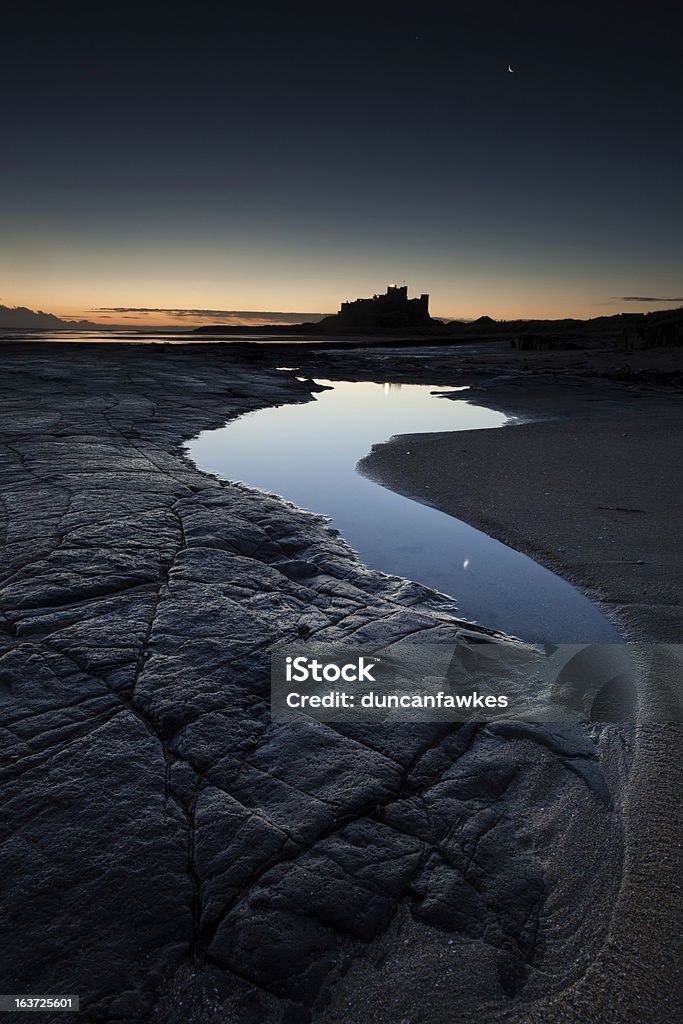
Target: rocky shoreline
168, 853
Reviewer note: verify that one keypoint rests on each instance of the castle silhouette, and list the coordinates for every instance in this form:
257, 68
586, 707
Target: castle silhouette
393, 309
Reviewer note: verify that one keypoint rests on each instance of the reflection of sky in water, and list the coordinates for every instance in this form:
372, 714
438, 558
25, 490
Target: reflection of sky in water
308, 454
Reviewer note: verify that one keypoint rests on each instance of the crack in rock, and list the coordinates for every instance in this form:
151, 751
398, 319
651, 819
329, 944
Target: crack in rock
155, 821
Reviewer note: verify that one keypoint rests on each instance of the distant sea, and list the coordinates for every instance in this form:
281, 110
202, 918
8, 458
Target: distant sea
168, 337
185, 337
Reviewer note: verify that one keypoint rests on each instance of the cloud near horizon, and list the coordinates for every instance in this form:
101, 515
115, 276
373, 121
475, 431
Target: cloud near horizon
236, 316
647, 298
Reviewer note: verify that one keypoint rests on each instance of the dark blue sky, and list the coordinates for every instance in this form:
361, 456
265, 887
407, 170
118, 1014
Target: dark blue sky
273, 156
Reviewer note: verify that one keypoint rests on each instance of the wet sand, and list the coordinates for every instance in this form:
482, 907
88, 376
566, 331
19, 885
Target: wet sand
596, 497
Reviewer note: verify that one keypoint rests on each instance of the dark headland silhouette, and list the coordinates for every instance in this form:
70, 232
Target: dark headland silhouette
21, 318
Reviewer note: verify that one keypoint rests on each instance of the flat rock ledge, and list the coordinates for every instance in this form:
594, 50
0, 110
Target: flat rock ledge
170, 854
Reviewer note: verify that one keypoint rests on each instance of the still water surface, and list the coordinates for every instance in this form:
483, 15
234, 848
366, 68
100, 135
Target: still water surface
308, 454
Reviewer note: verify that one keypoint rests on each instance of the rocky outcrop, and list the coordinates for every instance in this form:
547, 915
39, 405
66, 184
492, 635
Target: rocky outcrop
21, 318
167, 852
663, 329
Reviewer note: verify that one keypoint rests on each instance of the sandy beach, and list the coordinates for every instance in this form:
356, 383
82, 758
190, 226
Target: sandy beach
594, 495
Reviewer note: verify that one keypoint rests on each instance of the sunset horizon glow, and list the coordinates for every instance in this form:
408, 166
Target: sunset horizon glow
190, 175
186, 316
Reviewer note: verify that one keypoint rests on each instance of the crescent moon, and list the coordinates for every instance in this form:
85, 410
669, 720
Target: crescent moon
510, 70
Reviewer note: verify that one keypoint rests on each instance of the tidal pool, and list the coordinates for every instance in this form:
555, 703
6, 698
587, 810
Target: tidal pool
308, 454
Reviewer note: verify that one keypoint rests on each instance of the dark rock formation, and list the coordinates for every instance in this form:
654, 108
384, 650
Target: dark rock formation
163, 843
663, 329
543, 343
21, 318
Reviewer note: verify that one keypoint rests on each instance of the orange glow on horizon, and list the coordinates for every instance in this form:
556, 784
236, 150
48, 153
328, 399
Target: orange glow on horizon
469, 301
161, 320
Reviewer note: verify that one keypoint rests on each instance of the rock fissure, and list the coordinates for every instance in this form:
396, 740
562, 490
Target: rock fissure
209, 838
